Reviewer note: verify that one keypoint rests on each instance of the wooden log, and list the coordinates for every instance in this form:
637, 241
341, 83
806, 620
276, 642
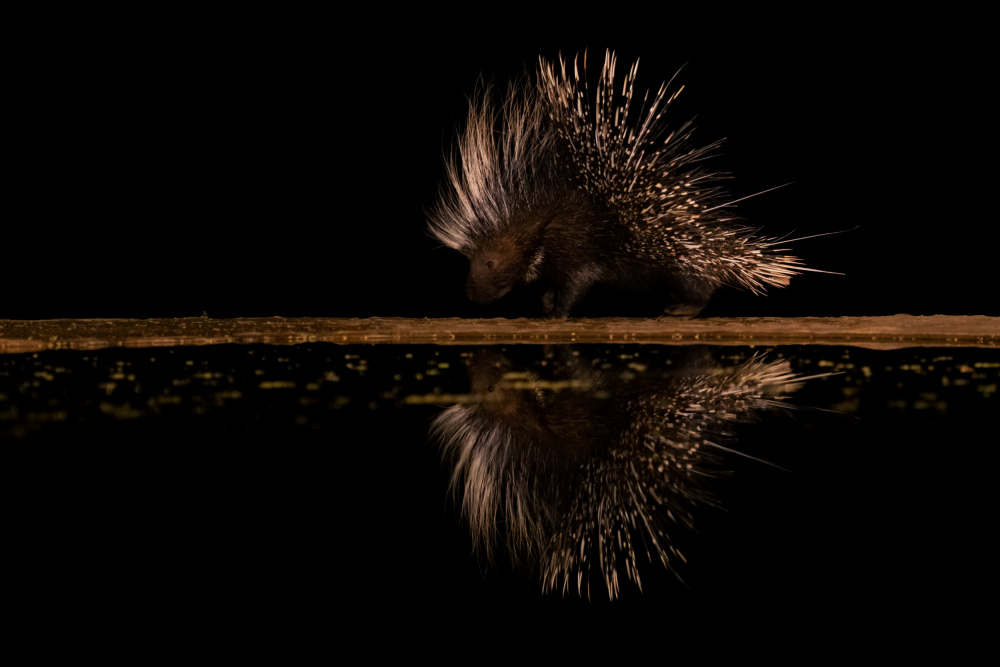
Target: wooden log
897, 331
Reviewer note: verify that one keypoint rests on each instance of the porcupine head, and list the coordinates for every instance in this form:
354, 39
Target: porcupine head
510, 208
556, 237
501, 193
505, 261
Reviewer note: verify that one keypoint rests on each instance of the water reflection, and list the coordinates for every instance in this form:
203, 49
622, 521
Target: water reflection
588, 473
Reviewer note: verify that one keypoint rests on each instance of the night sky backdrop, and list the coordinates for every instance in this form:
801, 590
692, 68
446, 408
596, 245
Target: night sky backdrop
239, 164
256, 165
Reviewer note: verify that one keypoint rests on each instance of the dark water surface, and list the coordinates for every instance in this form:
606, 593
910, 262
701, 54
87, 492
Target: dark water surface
232, 488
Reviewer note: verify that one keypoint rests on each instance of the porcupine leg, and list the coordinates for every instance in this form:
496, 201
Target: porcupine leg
549, 302
561, 298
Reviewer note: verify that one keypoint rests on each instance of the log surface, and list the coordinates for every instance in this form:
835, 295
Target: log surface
897, 331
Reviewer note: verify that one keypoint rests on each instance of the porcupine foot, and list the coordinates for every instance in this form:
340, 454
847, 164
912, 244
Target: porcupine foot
683, 310
687, 299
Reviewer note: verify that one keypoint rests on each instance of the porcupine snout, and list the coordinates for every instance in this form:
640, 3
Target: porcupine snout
477, 294
495, 269
482, 290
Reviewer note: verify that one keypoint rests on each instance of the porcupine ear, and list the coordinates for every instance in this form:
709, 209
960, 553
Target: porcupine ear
492, 173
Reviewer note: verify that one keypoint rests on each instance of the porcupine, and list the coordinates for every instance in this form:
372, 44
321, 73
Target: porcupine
588, 491
557, 186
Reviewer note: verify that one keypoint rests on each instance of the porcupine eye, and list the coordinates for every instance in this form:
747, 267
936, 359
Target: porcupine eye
489, 265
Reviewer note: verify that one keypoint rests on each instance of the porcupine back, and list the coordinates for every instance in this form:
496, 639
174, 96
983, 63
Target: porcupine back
578, 194
672, 214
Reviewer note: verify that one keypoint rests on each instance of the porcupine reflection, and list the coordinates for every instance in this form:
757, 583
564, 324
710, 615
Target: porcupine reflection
585, 476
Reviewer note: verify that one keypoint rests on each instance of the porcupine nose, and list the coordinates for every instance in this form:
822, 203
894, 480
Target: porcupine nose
483, 292
476, 294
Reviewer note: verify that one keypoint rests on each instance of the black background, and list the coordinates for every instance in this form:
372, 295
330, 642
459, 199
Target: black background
254, 164
257, 164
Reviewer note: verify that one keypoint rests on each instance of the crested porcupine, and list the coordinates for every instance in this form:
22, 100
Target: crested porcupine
556, 185
588, 476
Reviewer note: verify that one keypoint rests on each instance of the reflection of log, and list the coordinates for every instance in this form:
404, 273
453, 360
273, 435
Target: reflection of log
896, 331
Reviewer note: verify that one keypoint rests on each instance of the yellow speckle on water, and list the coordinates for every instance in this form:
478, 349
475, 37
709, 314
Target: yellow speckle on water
312, 386
277, 384
987, 364
163, 400
330, 376
436, 399
120, 411
987, 390
849, 405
